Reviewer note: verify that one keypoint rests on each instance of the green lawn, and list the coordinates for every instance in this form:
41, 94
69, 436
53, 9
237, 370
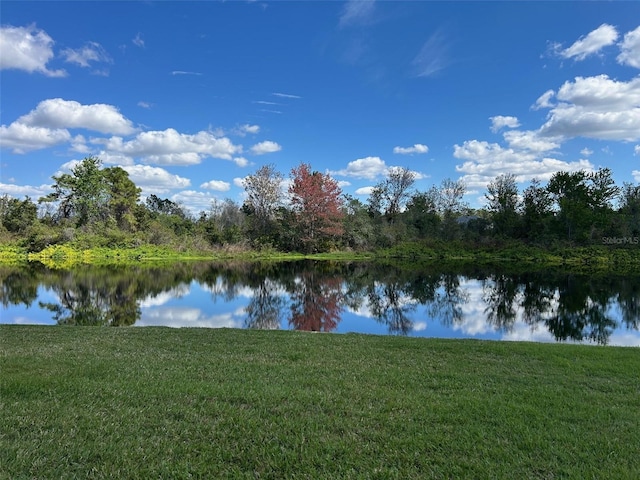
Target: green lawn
91, 402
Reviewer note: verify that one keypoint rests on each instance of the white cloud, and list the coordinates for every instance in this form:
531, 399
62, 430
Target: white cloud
252, 129
529, 140
238, 182
194, 201
433, 56
285, 95
217, 185
27, 48
90, 52
636, 150
142, 104
544, 101
369, 168
265, 147
23, 138
241, 161
636, 175
364, 191
630, 49
592, 43
79, 145
155, 179
596, 107
169, 147
183, 72
485, 161
138, 41
417, 148
59, 113
499, 122
344, 183
21, 191
356, 12
586, 152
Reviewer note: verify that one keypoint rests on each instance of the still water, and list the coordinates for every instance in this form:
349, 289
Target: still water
341, 297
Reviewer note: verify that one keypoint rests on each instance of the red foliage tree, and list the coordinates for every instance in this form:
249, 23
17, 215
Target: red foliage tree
316, 203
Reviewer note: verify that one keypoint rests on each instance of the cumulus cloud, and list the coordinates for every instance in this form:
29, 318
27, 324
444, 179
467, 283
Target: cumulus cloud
27, 48
630, 49
169, 147
90, 52
364, 190
23, 138
245, 129
499, 122
250, 128
636, 150
59, 113
368, 167
265, 147
217, 185
241, 161
417, 148
21, 191
529, 140
544, 101
636, 175
596, 107
592, 43
155, 179
193, 200
356, 12
484, 161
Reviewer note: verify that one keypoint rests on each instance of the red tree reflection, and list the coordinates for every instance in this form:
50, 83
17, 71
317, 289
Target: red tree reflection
316, 303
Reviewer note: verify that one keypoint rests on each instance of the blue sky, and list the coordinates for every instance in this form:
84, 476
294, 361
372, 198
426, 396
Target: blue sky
190, 97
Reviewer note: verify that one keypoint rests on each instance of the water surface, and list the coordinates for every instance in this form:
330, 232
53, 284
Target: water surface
332, 297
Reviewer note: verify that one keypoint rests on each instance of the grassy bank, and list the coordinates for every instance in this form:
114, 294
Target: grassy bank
597, 257
158, 403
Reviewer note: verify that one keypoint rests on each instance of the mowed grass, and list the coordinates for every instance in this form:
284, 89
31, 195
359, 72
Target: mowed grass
90, 402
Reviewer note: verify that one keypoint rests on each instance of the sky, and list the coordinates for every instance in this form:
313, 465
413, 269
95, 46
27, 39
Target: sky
191, 97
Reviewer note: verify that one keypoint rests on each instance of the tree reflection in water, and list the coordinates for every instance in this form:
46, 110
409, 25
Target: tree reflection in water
317, 295
316, 302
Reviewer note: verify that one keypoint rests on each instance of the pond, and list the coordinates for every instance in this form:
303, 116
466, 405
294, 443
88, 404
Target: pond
341, 297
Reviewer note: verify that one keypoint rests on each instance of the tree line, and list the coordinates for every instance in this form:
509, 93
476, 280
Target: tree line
96, 206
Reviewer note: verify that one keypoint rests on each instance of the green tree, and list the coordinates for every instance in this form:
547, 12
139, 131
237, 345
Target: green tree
502, 204
358, 229
264, 198
17, 216
629, 209
81, 196
123, 196
421, 214
570, 193
536, 211
390, 195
